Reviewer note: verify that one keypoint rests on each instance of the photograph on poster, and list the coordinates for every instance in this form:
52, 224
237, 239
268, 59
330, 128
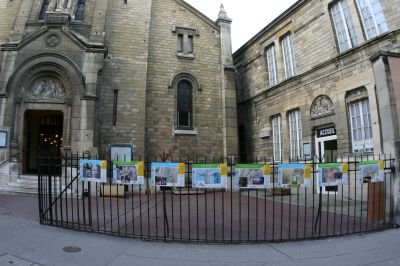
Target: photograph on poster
168, 174
252, 176
209, 175
294, 175
128, 173
371, 171
93, 170
332, 174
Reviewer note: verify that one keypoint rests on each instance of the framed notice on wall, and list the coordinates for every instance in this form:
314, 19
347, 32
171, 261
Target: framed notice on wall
3, 139
120, 152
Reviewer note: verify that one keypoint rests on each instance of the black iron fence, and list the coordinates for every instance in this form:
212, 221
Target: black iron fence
214, 215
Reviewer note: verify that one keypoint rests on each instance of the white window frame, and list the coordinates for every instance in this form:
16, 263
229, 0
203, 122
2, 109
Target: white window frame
295, 134
343, 25
372, 18
277, 140
361, 126
288, 55
272, 65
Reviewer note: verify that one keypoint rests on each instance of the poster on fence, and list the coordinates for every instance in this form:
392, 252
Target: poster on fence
371, 171
93, 170
209, 175
253, 176
294, 175
332, 174
168, 174
128, 173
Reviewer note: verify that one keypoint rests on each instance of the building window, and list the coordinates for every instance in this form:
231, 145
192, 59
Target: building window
43, 9
80, 10
272, 66
190, 44
277, 140
115, 108
185, 41
296, 133
288, 55
184, 105
373, 20
361, 129
343, 25
179, 45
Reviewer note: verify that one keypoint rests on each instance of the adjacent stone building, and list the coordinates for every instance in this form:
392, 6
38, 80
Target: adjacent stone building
80, 75
321, 79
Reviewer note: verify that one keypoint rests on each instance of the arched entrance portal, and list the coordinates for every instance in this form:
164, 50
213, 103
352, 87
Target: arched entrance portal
43, 133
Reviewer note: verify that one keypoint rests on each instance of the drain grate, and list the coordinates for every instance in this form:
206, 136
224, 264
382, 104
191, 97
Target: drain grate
72, 249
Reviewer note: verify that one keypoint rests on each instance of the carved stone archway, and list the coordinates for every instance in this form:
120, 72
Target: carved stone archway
43, 82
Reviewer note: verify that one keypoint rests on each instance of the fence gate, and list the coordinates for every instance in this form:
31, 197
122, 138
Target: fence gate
214, 215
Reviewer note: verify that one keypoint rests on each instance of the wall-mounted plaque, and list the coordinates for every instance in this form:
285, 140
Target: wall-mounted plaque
121, 152
3, 138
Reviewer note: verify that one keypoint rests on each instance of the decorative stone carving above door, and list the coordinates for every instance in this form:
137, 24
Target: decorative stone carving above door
46, 89
322, 106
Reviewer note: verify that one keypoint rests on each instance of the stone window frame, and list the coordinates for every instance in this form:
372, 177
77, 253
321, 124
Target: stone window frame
272, 64
355, 98
277, 138
296, 145
196, 88
43, 10
44, 6
184, 105
185, 41
289, 59
378, 19
78, 3
349, 40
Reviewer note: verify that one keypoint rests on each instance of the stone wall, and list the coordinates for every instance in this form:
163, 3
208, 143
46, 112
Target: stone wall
207, 137
125, 70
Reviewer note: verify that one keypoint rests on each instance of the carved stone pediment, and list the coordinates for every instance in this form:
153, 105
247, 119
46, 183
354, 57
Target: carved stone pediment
322, 106
46, 89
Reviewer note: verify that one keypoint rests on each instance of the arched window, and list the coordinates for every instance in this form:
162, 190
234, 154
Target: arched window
43, 9
184, 105
80, 10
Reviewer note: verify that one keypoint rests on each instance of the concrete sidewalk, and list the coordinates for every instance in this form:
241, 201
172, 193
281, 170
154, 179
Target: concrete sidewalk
23, 241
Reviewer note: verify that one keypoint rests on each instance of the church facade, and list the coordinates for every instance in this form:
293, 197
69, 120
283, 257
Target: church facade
80, 75
321, 79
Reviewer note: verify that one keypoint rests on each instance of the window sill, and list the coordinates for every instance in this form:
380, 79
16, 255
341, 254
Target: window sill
185, 132
185, 56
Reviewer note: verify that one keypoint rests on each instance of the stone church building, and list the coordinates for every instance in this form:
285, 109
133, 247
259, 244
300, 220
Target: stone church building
322, 78
79, 75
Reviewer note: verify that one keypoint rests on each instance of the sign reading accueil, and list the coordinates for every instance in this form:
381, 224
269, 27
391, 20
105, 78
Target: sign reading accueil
326, 132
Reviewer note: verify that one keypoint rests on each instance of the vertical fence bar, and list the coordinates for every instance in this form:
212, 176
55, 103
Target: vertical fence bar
231, 171
348, 199
273, 199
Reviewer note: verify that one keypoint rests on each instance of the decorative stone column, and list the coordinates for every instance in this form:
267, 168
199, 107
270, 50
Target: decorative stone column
229, 103
67, 129
15, 162
386, 67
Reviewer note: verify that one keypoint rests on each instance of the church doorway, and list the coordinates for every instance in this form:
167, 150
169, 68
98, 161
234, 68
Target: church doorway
43, 134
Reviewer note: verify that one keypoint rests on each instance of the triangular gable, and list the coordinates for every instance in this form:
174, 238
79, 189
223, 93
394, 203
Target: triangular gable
198, 14
79, 41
